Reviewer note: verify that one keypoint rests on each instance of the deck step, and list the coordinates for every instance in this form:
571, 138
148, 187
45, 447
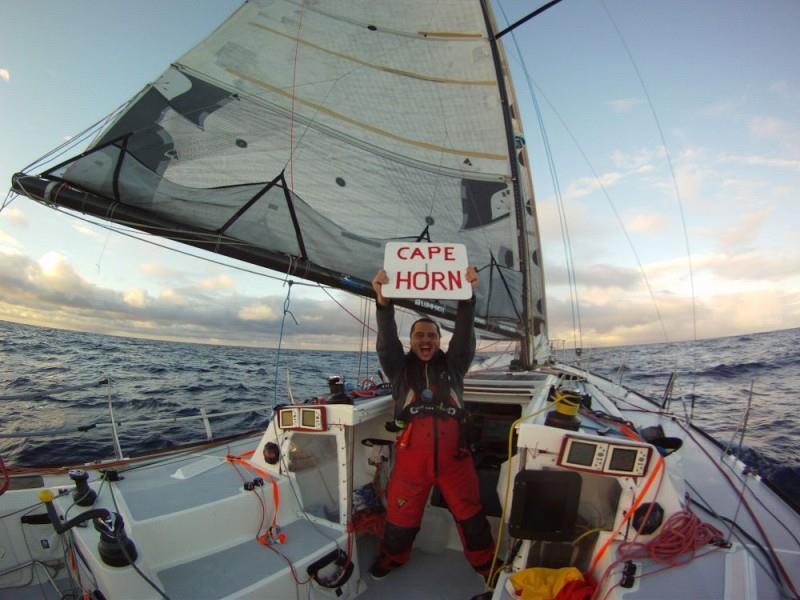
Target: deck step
252, 570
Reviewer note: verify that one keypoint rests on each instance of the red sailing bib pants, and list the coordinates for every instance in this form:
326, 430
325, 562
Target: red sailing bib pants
428, 453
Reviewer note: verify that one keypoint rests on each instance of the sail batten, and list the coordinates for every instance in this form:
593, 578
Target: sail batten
388, 116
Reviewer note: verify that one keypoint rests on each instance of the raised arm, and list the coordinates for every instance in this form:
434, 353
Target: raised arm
388, 345
461, 349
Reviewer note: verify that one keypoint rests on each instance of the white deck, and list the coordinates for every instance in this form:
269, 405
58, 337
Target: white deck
194, 524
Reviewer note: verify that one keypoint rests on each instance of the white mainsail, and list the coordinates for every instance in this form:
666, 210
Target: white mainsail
317, 131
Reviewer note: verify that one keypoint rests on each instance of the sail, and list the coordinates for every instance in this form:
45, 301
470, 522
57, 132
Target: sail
305, 135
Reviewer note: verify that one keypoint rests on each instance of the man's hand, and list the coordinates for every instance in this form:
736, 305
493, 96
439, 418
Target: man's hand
472, 277
377, 284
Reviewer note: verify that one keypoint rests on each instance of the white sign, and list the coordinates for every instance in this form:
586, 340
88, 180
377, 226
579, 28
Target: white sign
426, 271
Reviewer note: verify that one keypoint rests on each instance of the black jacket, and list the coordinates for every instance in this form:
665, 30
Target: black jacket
400, 366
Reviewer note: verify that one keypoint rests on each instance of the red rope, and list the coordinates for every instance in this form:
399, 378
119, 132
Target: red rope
682, 533
637, 501
240, 459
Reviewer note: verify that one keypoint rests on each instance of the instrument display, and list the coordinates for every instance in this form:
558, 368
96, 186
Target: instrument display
610, 458
302, 418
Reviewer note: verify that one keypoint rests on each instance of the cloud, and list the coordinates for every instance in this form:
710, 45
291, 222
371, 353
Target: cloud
55, 267
5, 75
173, 297
259, 312
155, 269
86, 230
644, 157
750, 266
624, 105
773, 129
722, 108
766, 127
586, 186
219, 282
762, 161
646, 223
50, 292
745, 231
595, 276
15, 215
617, 317
159, 272
135, 297
691, 178
8, 244
779, 87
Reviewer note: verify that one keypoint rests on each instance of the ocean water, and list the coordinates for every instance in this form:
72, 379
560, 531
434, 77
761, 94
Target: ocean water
151, 380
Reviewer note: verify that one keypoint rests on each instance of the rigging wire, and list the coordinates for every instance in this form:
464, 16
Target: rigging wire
11, 195
286, 311
740, 533
678, 198
531, 85
611, 204
134, 236
152, 242
594, 173
340, 305
784, 573
366, 349
363, 330
75, 140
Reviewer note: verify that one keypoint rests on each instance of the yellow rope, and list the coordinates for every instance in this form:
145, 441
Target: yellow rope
585, 534
491, 576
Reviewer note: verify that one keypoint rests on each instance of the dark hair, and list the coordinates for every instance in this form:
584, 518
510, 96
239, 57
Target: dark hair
425, 320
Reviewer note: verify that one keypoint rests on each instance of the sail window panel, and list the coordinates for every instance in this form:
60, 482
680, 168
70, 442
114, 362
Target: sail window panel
438, 122
93, 172
266, 224
206, 209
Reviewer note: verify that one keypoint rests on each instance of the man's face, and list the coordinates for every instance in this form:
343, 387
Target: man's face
424, 340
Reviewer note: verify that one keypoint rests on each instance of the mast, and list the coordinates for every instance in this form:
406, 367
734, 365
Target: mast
527, 354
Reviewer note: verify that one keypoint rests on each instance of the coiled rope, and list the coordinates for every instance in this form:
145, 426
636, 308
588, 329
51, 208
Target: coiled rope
683, 533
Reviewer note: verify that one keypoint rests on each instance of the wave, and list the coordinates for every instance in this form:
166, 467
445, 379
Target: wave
728, 371
153, 379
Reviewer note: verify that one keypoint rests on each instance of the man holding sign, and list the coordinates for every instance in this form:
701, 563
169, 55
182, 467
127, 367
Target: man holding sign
427, 386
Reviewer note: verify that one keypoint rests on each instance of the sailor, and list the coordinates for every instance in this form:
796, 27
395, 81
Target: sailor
427, 386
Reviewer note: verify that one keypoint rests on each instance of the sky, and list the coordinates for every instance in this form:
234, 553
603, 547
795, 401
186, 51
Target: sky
687, 113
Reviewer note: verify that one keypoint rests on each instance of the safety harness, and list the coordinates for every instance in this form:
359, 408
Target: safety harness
432, 398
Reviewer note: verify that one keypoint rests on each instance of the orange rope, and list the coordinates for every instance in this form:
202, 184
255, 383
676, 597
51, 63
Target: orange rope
240, 459
629, 514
